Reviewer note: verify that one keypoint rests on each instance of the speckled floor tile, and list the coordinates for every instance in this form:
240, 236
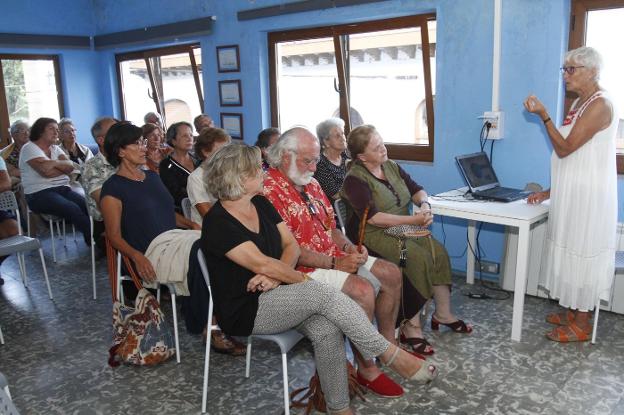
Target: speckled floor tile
55, 359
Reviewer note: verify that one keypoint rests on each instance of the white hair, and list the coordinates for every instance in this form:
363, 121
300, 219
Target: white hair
324, 128
150, 115
585, 56
288, 142
17, 125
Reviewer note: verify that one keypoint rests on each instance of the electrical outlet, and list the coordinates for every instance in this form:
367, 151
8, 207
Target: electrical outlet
496, 119
489, 267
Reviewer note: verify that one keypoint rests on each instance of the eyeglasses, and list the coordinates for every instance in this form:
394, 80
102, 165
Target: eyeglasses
141, 142
570, 69
308, 162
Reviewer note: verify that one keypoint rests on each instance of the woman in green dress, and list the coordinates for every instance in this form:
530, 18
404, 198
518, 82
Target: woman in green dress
382, 186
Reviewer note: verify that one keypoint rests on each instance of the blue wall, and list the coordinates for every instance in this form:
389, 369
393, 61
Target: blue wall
534, 38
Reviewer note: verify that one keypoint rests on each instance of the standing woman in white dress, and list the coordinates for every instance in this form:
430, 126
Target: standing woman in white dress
579, 255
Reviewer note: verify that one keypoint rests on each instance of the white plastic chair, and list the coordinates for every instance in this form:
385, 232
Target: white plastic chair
19, 244
619, 266
52, 220
341, 211
1, 336
6, 403
285, 341
186, 207
172, 292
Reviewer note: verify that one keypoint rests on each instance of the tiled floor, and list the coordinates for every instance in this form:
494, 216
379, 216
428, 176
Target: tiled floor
55, 358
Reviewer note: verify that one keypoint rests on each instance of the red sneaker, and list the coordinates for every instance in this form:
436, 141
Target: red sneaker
382, 385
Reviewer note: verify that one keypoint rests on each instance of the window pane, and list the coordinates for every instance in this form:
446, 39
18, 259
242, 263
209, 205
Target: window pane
175, 74
388, 84
136, 89
30, 87
306, 75
604, 32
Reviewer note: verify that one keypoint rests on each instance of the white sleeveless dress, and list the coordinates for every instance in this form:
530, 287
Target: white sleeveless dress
579, 255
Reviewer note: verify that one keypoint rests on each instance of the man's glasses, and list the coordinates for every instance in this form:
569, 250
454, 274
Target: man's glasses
309, 162
570, 69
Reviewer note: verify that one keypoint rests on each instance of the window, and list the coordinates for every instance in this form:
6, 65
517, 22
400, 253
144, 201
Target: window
379, 72
598, 23
30, 88
166, 80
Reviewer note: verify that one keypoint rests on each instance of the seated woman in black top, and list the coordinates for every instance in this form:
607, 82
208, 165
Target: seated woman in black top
175, 169
251, 256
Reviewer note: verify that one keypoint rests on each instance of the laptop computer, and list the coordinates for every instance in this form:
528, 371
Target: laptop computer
482, 180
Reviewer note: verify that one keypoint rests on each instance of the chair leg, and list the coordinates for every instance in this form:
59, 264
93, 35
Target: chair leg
74, 231
1, 336
6, 390
22, 267
285, 377
120, 292
92, 255
207, 359
45, 272
248, 356
175, 325
64, 234
595, 329
52, 240
93, 269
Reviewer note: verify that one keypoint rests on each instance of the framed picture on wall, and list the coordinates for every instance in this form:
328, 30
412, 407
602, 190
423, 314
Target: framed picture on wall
230, 93
228, 59
233, 124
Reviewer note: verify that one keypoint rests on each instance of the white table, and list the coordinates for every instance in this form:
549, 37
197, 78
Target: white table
518, 214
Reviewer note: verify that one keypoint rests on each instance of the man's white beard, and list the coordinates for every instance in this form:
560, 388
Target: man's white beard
300, 179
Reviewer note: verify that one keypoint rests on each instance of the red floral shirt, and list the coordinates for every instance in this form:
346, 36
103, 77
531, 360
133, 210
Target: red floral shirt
309, 215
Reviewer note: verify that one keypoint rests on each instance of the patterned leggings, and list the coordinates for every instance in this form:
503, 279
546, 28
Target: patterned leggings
323, 314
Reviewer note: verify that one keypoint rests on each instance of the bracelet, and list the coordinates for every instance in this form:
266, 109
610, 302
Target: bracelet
305, 277
546, 120
333, 264
425, 201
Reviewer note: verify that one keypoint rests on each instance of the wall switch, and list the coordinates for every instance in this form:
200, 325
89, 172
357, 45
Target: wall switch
489, 267
496, 120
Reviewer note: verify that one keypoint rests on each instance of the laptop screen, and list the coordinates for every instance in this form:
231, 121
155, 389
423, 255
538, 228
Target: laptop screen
477, 171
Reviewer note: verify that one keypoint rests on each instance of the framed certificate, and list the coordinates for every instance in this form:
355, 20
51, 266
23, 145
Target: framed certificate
228, 59
233, 124
230, 93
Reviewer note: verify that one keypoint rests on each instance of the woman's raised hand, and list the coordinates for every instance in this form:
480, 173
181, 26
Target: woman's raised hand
534, 105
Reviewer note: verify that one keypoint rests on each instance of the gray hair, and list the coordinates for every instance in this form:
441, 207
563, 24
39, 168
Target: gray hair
96, 128
585, 56
324, 128
228, 168
150, 115
63, 122
17, 125
288, 142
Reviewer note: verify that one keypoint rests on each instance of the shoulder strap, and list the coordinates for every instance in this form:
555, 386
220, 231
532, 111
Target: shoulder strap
595, 96
111, 259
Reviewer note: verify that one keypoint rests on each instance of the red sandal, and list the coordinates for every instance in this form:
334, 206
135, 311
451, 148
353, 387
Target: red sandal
457, 326
567, 334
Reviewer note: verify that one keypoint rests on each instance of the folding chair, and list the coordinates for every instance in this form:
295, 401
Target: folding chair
19, 244
285, 341
6, 403
341, 211
619, 266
